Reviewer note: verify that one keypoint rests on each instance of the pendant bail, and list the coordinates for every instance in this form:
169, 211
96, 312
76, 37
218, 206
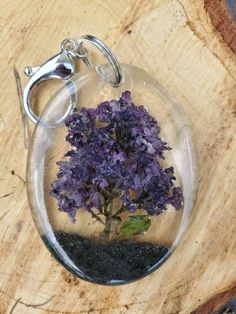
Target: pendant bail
106, 51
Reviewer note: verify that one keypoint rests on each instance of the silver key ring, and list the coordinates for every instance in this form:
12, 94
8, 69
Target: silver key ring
62, 66
106, 52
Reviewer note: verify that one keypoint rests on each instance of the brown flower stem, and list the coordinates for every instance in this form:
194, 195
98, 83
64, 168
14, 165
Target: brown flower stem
107, 229
96, 217
121, 210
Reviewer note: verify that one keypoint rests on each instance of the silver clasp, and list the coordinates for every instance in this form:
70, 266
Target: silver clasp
61, 66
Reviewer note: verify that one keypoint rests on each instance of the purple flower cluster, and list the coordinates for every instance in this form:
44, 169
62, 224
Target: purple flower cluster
116, 153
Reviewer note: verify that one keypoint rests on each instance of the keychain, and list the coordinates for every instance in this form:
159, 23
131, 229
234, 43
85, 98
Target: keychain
111, 175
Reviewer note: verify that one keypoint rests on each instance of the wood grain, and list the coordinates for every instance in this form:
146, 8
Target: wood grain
175, 41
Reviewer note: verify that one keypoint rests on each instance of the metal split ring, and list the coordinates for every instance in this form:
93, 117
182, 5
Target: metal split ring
106, 52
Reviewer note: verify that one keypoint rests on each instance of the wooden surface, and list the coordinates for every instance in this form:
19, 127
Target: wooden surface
175, 41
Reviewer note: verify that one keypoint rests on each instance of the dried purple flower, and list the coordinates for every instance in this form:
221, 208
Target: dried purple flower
116, 153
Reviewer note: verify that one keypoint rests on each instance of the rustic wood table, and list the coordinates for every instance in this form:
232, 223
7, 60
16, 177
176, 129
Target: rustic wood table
175, 41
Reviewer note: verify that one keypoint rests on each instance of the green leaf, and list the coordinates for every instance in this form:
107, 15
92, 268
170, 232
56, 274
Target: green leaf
135, 225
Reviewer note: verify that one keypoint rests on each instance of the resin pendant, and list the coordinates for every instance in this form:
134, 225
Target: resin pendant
112, 175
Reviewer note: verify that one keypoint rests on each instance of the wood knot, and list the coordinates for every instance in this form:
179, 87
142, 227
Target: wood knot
70, 279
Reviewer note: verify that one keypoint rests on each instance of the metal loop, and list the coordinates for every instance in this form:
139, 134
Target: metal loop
106, 52
68, 45
71, 46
